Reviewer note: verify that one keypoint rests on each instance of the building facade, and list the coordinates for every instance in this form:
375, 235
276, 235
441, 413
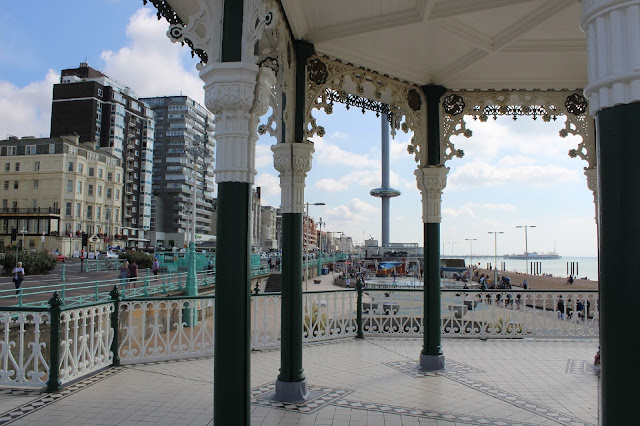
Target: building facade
183, 158
268, 237
57, 189
107, 114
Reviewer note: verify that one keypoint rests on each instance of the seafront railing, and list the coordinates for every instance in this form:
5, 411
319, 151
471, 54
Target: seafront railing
162, 328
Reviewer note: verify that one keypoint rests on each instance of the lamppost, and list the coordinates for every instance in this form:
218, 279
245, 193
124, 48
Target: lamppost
306, 246
526, 248
495, 255
320, 223
471, 240
452, 243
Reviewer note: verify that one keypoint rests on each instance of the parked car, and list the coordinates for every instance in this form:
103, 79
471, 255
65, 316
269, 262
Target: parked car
108, 255
59, 257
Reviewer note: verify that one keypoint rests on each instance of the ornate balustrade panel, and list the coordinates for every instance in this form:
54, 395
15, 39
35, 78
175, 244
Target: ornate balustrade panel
85, 341
392, 312
511, 313
265, 321
153, 330
329, 315
24, 354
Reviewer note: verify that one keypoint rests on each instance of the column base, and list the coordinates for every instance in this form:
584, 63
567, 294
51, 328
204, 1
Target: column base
291, 391
431, 362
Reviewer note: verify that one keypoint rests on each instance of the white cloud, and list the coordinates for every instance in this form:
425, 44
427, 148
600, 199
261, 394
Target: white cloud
356, 213
509, 171
151, 65
27, 110
470, 209
269, 189
330, 154
398, 149
264, 156
366, 178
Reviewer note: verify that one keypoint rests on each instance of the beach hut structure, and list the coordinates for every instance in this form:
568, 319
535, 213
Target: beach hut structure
433, 67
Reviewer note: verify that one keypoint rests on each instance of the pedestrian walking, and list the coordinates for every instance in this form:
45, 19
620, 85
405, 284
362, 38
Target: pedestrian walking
124, 274
133, 273
155, 266
18, 276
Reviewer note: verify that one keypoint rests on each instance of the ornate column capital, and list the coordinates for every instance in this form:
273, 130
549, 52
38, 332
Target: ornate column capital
292, 160
612, 28
431, 181
238, 94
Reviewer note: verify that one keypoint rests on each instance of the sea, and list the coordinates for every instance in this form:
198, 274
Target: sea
582, 266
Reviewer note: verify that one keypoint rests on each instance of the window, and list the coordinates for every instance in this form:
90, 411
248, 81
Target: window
108, 192
99, 190
79, 187
70, 168
7, 167
91, 170
36, 166
67, 210
35, 204
32, 243
30, 149
80, 168
109, 176
17, 167
89, 212
5, 204
78, 209
117, 215
35, 184
12, 150
69, 186
90, 189
15, 184
15, 205
6, 184
100, 92
99, 173
52, 148
107, 213
98, 212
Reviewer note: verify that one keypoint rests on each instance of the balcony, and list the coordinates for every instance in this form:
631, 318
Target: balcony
38, 211
504, 380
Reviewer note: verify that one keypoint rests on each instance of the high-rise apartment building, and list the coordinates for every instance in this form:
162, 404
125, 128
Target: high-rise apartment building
183, 160
56, 189
107, 114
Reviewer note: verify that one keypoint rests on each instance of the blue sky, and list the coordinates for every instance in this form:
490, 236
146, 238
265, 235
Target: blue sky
513, 173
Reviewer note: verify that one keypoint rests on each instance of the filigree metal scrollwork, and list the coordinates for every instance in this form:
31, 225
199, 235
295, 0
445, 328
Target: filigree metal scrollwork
453, 104
413, 100
165, 11
317, 71
576, 104
358, 101
515, 111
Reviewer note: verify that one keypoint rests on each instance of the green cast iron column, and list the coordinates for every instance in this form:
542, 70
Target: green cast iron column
232, 325
432, 341
618, 150
291, 313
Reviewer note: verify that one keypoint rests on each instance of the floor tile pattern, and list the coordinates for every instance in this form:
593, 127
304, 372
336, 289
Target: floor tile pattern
319, 397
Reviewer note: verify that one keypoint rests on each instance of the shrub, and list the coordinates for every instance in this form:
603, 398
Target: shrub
39, 262
144, 260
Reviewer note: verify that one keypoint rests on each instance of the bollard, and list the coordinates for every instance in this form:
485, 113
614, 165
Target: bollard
95, 296
54, 383
164, 285
359, 286
115, 316
64, 272
146, 285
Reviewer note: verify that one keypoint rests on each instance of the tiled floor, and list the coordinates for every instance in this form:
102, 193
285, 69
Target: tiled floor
371, 382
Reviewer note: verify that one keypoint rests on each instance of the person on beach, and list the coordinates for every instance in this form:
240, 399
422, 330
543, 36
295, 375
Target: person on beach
560, 308
18, 276
525, 284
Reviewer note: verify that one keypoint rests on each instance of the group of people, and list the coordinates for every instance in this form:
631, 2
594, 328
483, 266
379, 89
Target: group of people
274, 265
129, 273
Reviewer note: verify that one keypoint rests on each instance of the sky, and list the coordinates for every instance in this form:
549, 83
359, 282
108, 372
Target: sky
513, 173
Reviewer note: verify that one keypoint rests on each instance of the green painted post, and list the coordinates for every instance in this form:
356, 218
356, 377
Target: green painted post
97, 292
64, 272
189, 314
359, 286
432, 338
64, 292
232, 365
164, 284
146, 286
115, 325
54, 384
20, 296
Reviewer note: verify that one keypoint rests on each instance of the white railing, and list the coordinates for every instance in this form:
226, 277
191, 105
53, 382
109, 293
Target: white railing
24, 353
265, 321
85, 341
392, 313
153, 330
329, 315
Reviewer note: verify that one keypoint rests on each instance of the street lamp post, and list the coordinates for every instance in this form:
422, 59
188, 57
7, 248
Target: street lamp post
306, 246
320, 223
526, 248
452, 243
471, 240
495, 255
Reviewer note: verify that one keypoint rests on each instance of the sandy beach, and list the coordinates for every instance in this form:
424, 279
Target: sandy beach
540, 282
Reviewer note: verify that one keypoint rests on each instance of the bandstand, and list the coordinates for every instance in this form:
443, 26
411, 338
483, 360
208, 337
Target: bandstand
433, 66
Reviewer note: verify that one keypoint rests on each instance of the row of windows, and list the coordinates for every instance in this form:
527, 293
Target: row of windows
90, 189
29, 150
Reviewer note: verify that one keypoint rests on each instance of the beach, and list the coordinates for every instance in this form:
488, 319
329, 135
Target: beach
541, 282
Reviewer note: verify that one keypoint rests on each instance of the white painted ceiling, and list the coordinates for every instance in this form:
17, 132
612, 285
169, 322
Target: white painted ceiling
460, 44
